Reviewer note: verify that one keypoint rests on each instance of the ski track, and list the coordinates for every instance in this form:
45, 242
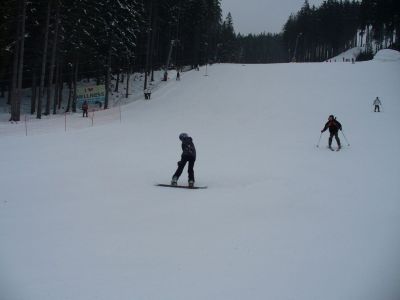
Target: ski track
80, 217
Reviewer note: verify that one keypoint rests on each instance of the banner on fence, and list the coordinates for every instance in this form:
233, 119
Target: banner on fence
93, 95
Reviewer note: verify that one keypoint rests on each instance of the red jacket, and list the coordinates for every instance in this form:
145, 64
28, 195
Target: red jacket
333, 125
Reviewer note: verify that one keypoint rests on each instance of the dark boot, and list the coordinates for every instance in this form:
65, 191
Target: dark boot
330, 142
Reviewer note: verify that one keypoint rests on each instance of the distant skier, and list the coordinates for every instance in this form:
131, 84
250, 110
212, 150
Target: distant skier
147, 93
334, 126
377, 103
178, 76
188, 155
85, 108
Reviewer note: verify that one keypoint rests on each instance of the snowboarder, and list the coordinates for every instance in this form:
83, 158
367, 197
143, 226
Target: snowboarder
188, 155
85, 108
334, 126
377, 103
178, 76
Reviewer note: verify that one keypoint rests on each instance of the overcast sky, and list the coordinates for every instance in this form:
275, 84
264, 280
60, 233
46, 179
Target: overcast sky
256, 16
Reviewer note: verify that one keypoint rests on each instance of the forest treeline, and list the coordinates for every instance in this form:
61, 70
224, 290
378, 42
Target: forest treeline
46, 45
318, 33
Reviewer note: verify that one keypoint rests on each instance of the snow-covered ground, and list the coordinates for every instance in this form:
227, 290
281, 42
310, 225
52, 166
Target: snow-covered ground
387, 55
348, 56
81, 219
61, 122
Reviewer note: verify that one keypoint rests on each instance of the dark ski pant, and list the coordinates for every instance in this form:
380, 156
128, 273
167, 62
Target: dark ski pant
334, 134
85, 113
376, 108
181, 166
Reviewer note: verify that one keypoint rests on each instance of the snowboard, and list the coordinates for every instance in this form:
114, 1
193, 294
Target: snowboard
182, 186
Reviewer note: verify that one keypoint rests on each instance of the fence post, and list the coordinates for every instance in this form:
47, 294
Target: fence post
26, 127
65, 126
120, 114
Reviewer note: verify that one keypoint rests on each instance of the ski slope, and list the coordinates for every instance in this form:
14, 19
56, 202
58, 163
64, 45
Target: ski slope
81, 219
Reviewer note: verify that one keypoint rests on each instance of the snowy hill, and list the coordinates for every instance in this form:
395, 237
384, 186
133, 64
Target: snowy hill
348, 56
81, 219
387, 55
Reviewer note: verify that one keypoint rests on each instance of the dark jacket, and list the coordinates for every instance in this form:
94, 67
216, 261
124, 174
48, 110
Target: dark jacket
188, 148
333, 125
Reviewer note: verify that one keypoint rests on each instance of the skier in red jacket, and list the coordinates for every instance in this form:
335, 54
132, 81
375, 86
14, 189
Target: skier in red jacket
334, 126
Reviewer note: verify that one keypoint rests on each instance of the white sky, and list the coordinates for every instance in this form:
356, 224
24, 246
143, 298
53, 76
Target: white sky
256, 16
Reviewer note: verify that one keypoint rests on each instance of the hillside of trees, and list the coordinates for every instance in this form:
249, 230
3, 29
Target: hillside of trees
47, 45
319, 33
335, 26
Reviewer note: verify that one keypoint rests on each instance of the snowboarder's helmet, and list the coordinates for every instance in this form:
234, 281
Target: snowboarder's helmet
331, 117
183, 136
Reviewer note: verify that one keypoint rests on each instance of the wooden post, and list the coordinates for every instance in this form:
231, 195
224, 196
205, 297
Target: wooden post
26, 127
120, 113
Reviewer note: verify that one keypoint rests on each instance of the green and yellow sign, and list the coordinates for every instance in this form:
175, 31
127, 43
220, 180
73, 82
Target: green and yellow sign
93, 95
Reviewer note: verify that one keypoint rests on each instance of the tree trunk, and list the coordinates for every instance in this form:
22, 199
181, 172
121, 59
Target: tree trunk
108, 76
70, 84
53, 59
3, 89
10, 92
153, 39
368, 40
75, 81
14, 81
17, 108
44, 58
117, 82
57, 87
148, 44
60, 87
128, 76
34, 93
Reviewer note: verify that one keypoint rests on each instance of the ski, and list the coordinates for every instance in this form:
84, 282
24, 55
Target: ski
182, 186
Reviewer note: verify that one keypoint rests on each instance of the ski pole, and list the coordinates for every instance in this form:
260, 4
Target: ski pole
348, 144
319, 140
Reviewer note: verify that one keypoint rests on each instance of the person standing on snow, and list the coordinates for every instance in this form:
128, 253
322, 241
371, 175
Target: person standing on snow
147, 93
334, 126
377, 103
85, 108
188, 156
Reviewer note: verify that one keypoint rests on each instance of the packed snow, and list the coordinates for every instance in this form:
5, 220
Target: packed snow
349, 55
387, 55
82, 219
